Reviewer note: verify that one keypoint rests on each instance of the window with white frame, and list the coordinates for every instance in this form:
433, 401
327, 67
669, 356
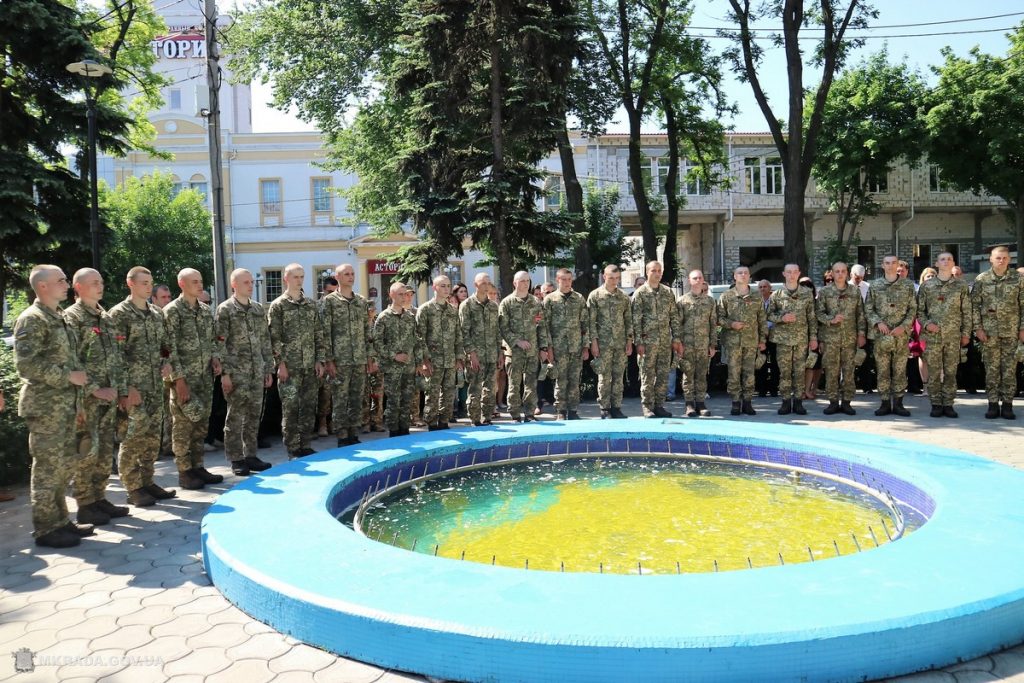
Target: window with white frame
773, 175
648, 172
936, 183
174, 99
553, 192
752, 175
877, 184
322, 273
694, 184
663, 166
270, 201
273, 285
322, 195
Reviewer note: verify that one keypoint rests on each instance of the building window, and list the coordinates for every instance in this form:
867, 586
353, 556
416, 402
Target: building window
936, 183
273, 285
199, 187
646, 172
695, 185
773, 175
877, 184
663, 167
553, 193
322, 196
174, 99
866, 257
270, 201
322, 273
752, 175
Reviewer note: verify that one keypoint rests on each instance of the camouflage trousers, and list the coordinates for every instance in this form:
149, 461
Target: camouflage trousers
242, 422
891, 364
480, 401
943, 359
373, 399
347, 398
165, 420
790, 360
298, 407
141, 443
609, 379
568, 366
1000, 368
51, 443
522, 367
95, 451
440, 396
399, 385
189, 424
838, 366
654, 366
741, 372
695, 364
324, 398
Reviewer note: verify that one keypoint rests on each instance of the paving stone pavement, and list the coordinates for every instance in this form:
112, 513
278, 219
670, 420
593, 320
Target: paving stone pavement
133, 604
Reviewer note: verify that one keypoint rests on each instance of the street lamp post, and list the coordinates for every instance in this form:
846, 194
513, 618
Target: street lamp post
91, 69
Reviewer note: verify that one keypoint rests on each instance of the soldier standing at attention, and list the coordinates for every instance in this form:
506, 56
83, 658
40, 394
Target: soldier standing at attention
194, 363
611, 331
998, 318
140, 325
744, 333
890, 310
478, 317
297, 343
699, 316
841, 330
568, 323
46, 355
944, 310
398, 347
794, 331
100, 356
324, 400
657, 329
349, 358
161, 297
520, 320
438, 328
247, 368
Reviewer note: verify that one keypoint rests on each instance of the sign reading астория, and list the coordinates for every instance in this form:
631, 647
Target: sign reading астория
184, 42
379, 267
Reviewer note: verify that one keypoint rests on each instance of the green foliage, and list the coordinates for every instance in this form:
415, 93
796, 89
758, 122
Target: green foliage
603, 232
150, 228
14, 458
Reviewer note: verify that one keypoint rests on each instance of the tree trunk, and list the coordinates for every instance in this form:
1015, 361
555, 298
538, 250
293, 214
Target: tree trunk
794, 247
671, 258
636, 177
499, 232
586, 279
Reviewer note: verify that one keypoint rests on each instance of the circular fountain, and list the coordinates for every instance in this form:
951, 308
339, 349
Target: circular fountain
949, 591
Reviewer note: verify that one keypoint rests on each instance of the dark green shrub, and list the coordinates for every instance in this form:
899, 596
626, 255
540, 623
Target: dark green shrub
15, 462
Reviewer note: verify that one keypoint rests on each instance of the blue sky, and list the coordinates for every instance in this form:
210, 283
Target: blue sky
903, 16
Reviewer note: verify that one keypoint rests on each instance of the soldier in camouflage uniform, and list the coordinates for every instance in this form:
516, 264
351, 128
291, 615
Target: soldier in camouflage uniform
297, 342
46, 355
373, 390
568, 323
998, 319
348, 342
195, 361
611, 343
324, 400
247, 368
744, 332
657, 331
944, 311
481, 341
140, 326
525, 339
842, 329
398, 347
161, 297
890, 310
439, 329
698, 314
100, 355
794, 330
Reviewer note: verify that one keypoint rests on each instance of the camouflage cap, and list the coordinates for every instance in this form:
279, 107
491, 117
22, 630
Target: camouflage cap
860, 357
811, 361
759, 360
1020, 352
193, 410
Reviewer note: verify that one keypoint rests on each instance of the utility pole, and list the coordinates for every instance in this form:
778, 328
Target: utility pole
213, 79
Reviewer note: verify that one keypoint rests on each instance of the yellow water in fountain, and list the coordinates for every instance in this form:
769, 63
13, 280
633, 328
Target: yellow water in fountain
630, 516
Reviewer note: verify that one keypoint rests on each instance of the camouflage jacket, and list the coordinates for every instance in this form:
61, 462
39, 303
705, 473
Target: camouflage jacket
347, 328
804, 329
296, 333
190, 340
567, 321
480, 334
892, 303
833, 301
243, 341
655, 316
700, 321
395, 332
99, 348
948, 305
522, 319
438, 327
611, 318
998, 303
144, 343
45, 353
749, 309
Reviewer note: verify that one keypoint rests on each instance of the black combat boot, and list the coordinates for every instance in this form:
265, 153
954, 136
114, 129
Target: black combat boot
1007, 411
240, 469
111, 509
190, 481
735, 410
947, 411
207, 476
573, 415
847, 408
605, 414
885, 408
691, 410
787, 406
936, 410
832, 408
993, 410
158, 492
748, 408
702, 409
58, 538
660, 411
798, 407
92, 514
617, 413
897, 407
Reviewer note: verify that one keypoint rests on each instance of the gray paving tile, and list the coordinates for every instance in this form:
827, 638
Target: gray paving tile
204, 661
248, 670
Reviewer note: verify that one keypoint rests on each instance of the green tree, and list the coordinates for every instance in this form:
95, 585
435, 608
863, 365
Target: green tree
152, 228
975, 127
605, 239
872, 118
796, 136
